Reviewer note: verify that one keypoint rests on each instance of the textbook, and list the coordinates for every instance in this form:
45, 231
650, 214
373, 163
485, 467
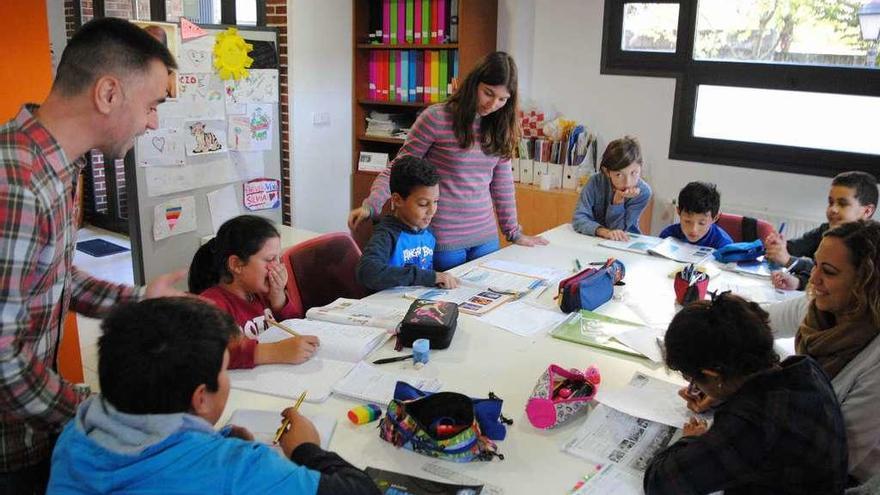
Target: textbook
470, 300
670, 248
341, 347
595, 330
264, 424
357, 312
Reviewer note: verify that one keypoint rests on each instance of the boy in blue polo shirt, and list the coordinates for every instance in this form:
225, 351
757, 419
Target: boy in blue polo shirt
699, 205
401, 250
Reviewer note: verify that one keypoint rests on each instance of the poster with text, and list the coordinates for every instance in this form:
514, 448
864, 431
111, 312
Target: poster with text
262, 194
201, 95
174, 217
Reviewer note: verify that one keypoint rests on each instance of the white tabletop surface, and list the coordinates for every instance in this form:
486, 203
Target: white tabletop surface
483, 358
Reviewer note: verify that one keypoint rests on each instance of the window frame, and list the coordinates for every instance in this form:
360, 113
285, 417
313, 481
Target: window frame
690, 74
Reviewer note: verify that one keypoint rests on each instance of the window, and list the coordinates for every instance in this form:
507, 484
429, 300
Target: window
785, 85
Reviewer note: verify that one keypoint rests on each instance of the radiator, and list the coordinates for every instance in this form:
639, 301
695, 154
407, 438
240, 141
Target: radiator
795, 225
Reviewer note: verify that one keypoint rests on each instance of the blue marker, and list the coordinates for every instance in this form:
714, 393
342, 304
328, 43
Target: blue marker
781, 228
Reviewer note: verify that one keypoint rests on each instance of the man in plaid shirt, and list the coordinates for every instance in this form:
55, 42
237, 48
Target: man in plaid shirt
110, 80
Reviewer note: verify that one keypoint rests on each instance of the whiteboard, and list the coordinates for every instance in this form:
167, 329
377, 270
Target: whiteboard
150, 187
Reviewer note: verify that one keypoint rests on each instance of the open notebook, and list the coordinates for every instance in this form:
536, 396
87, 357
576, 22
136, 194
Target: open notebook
263, 425
341, 347
375, 384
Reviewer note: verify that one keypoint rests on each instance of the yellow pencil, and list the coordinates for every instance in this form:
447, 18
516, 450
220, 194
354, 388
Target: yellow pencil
285, 423
283, 327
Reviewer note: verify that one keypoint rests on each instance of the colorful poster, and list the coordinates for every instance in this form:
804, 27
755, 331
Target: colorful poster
204, 137
261, 86
160, 148
201, 95
262, 194
174, 217
253, 131
197, 55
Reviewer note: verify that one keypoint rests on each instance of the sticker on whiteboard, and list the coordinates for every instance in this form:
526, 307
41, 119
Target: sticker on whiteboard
174, 217
262, 194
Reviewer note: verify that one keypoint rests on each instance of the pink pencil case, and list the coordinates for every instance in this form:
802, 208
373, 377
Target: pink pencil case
560, 394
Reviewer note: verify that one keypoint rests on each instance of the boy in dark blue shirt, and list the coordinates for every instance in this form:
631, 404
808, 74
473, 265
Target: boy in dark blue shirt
401, 250
699, 205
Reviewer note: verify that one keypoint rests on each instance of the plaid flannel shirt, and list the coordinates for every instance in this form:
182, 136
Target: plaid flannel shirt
781, 433
38, 284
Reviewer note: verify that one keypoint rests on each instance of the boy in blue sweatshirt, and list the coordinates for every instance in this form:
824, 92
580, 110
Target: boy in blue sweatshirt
401, 250
162, 368
699, 205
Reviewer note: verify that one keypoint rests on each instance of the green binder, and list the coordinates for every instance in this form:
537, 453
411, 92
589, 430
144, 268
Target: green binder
426, 22
393, 9
594, 330
409, 20
443, 79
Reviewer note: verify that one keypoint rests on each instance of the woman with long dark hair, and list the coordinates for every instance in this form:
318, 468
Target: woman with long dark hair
470, 139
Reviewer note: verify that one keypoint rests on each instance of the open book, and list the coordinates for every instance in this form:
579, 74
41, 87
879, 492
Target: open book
341, 347
670, 247
263, 425
357, 312
470, 300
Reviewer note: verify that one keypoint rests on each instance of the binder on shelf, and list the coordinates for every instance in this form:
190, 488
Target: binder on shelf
401, 21
569, 177
420, 77
539, 169
411, 96
393, 14
434, 10
386, 21
526, 174
375, 22
409, 21
403, 93
426, 22
441, 21
435, 76
443, 79
417, 21
554, 170
392, 74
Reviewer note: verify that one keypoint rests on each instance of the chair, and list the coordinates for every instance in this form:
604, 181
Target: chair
744, 229
322, 269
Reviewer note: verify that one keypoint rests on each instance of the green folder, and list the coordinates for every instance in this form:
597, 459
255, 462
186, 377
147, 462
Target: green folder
392, 74
393, 9
443, 78
594, 330
409, 20
426, 22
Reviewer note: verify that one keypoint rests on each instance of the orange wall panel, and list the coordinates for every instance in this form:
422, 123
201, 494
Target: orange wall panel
26, 73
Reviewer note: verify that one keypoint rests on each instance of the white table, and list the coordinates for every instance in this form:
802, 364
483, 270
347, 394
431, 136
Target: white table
483, 358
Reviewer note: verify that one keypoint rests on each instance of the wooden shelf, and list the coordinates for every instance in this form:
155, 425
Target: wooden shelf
408, 46
411, 104
381, 139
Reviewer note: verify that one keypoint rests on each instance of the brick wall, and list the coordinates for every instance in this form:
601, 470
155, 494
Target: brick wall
276, 16
99, 184
69, 20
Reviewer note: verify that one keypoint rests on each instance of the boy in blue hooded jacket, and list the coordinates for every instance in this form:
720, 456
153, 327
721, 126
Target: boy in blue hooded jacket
162, 368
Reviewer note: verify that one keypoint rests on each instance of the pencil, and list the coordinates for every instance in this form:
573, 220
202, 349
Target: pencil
285, 423
282, 327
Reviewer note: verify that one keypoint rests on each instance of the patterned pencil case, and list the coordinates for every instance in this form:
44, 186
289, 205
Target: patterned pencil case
560, 395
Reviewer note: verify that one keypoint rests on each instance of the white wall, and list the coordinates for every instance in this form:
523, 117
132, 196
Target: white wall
320, 54
559, 60
57, 30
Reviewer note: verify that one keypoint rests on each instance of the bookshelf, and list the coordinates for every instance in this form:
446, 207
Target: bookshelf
477, 26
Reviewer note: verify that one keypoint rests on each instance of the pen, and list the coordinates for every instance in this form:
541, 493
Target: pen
790, 267
392, 359
781, 228
285, 424
577, 264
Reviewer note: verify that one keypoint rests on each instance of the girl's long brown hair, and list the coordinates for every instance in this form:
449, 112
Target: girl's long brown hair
499, 131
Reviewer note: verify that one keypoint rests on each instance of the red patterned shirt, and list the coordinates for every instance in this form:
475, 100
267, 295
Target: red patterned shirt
38, 283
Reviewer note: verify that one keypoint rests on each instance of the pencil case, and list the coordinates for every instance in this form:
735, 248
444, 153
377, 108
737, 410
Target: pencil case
560, 395
590, 288
431, 320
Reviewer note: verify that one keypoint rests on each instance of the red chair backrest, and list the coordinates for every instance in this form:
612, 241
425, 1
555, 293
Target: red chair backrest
322, 269
732, 224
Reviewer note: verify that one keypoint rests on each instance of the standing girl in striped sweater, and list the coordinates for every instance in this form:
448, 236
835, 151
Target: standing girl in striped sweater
470, 140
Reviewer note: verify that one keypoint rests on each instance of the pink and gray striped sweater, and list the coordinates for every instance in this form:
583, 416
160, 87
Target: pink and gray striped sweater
471, 182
